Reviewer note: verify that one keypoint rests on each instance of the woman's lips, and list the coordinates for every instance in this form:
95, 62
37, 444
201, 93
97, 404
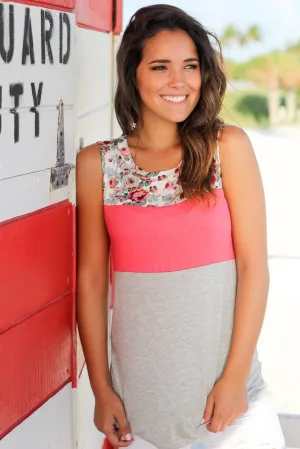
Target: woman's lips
175, 99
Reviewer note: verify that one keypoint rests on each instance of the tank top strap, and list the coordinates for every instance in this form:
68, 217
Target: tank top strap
218, 172
107, 152
217, 153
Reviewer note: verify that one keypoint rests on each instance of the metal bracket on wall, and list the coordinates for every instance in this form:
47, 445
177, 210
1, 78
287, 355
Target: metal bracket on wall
59, 176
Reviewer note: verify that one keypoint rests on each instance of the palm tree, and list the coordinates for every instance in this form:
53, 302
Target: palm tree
231, 34
290, 78
253, 34
274, 70
263, 70
277, 70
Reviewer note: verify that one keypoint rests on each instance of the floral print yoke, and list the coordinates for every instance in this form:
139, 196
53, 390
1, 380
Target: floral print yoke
126, 183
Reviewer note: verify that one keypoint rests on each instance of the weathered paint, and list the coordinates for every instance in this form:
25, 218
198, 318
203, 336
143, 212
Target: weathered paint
37, 325
95, 14
35, 358
36, 262
50, 426
61, 5
40, 68
117, 16
39, 72
24, 194
94, 86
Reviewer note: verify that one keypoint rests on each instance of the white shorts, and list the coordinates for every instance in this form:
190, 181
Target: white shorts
259, 428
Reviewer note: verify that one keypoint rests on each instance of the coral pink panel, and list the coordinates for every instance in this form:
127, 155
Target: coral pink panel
35, 360
144, 242
95, 14
63, 5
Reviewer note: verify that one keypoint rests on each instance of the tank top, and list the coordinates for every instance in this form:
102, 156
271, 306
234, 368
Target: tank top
174, 281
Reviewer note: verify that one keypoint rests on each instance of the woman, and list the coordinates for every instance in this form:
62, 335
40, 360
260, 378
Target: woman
178, 203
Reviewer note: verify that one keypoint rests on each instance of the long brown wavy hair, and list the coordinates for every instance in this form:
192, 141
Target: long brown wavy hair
199, 132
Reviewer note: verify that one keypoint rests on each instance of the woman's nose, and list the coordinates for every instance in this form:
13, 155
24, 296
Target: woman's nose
176, 79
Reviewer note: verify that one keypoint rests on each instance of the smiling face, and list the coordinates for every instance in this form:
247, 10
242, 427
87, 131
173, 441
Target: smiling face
168, 77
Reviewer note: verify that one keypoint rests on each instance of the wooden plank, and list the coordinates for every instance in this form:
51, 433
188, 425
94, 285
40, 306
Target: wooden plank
118, 17
94, 100
35, 359
35, 74
95, 14
35, 262
62, 5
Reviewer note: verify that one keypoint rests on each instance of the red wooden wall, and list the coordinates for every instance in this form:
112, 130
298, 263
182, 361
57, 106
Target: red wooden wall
37, 310
37, 277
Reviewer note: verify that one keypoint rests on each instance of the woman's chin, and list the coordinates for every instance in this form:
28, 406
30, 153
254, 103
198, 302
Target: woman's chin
176, 118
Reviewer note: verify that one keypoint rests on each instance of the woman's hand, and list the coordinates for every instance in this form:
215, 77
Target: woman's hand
110, 419
226, 402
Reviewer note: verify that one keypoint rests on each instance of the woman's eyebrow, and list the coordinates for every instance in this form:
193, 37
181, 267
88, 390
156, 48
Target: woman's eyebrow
165, 61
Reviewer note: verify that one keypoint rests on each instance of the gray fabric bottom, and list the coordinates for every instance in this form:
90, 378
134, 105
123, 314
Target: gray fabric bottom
170, 339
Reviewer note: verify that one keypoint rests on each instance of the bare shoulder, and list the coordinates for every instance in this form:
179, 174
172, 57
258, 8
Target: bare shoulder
88, 172
88, 155
238, 161
236, 149
243, 189
232, 137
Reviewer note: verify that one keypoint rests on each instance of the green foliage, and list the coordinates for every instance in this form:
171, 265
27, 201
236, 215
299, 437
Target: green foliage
252, 35
276, 68
294, 47
255, 105
273, 72
232, 34
246, 108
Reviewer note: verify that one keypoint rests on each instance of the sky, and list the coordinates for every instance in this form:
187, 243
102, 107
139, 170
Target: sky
279, 20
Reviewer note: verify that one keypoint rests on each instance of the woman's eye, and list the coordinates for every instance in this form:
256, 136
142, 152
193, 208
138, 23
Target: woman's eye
192, 66
159, 67
162, 67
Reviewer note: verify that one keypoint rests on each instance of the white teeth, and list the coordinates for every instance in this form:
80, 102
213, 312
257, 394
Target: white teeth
175, 99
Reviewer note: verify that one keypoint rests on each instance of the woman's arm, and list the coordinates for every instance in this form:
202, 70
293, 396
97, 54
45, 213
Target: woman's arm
243, 190
92, 271
92, 290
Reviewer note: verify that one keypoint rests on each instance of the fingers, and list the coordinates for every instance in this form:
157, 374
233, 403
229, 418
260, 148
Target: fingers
225, 423
115, 441
209, 409
215, 424
124, 428
219, 423
232, 421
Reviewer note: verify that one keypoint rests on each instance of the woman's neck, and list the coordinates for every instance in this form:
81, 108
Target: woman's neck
156, 135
